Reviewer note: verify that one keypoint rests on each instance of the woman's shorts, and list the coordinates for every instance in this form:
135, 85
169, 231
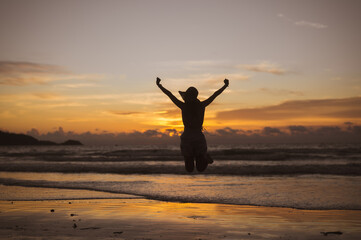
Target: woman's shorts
193, 144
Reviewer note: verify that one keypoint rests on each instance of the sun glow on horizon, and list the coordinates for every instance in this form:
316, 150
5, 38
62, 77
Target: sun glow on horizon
97, 74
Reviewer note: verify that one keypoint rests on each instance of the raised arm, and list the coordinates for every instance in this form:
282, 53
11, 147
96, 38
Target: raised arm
216, 93
169, 94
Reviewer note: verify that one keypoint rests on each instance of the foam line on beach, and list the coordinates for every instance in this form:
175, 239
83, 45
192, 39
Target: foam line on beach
310, 193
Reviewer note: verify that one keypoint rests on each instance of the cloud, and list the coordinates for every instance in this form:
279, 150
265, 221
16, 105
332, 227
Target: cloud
46, 96
195, 65
269, 91
152, 133
172, 132
303, 23
265, 67
282, 92
310, 24
298, 134
27, 97
145, 98
9, 67
218, 78
7, 114
59, 105
41, 101
344, 108
205, 80
328, 130
271, 131
298, 129
227, 131
150, 136
201, 73
291, 134
281, 15
172, 113
126, 113
356, 130
77, 85
25, 73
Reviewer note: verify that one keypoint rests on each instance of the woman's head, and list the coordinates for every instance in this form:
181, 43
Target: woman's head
190, 95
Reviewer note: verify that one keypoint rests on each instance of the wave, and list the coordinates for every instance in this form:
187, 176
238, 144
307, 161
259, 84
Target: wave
252, 160
272, 192
139, 167
118, 154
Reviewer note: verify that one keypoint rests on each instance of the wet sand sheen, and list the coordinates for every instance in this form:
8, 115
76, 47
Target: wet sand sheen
150, 219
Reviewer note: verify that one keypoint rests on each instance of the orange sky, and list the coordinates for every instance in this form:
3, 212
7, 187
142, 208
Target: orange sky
91, 65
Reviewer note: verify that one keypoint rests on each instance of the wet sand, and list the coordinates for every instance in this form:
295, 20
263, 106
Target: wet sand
150, 219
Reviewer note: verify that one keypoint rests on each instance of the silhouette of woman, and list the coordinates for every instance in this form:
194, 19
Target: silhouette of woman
193, 143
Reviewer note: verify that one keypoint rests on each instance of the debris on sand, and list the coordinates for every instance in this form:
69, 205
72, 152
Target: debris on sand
90, 228
327, 233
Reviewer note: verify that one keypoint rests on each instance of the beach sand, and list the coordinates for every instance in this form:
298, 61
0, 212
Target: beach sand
149, 219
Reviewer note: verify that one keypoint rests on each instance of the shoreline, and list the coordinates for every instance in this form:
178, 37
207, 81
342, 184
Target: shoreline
311, 193
141, 218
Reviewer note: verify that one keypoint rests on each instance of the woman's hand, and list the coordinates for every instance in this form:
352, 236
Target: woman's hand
226, 82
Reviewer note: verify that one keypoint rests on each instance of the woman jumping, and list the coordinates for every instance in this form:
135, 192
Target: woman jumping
193, 143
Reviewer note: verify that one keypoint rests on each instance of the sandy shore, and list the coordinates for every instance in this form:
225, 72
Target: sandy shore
148, 219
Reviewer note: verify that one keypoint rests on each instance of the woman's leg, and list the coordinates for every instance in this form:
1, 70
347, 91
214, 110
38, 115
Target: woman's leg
189, 163
201, 163
201, 153
187, 152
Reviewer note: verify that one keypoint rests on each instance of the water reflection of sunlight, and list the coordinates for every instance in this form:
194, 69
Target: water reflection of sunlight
223, 214
137, 217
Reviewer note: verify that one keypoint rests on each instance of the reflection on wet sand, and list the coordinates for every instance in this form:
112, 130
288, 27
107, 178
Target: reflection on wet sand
141, 218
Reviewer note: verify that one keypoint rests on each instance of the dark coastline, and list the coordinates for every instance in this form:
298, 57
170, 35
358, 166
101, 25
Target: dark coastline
14, 139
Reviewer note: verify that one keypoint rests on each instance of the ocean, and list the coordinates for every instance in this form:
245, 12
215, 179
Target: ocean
318, 176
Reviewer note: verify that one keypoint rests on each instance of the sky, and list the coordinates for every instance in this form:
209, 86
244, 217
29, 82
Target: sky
90, 66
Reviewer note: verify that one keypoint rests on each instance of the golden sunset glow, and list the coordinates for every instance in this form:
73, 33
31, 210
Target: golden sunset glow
83, 73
